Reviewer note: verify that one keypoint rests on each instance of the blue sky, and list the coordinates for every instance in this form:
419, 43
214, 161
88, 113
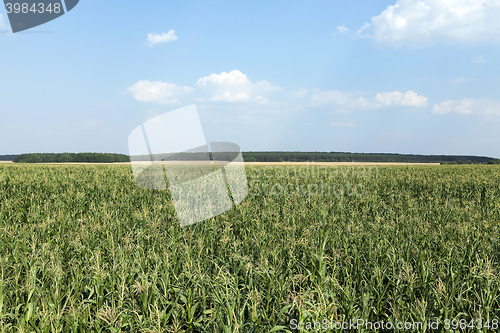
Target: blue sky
403, 76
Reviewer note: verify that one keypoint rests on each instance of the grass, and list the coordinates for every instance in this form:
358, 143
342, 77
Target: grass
83, 249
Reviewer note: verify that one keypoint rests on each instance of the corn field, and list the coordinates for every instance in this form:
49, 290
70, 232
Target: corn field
83, 249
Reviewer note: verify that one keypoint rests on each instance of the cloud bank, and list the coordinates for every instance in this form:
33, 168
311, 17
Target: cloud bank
351, 101
419, 23
158, 92
478, 106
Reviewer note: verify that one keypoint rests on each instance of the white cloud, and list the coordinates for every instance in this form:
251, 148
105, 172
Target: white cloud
153, 38
2, 24
235, 87
479, 106
385, 99
418, 23
360, 31
299, 93
478, 59
159, 92
395, 98
342, 29
342, 124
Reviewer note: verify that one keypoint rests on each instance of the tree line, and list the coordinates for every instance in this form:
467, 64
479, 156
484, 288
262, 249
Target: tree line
7, 157
71, 157
318, 157
361, 157
251, 157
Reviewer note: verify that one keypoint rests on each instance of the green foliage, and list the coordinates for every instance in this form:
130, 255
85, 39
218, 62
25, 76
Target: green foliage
71, 157
7, 157
256, 157
65, 158
83, 249
357, 157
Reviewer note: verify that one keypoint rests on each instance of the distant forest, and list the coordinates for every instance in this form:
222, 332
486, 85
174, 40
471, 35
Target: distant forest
7, 157
71, 157
363, 157
253, 157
